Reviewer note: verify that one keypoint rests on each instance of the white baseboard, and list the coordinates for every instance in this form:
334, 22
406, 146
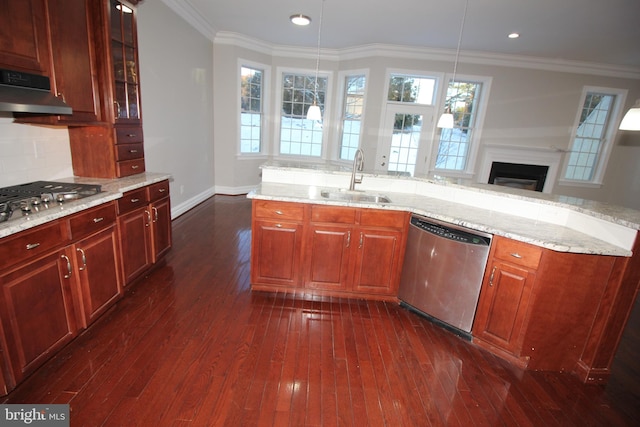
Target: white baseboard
183, 207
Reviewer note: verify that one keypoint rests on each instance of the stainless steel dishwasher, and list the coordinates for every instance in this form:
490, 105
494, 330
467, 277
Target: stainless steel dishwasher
442, 273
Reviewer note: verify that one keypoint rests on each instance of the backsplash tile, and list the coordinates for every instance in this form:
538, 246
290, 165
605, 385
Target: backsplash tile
31, 153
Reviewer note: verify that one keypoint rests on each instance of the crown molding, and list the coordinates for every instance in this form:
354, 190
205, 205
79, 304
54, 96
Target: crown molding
194, 18
432, 54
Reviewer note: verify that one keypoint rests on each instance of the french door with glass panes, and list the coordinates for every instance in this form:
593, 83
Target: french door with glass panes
406, 138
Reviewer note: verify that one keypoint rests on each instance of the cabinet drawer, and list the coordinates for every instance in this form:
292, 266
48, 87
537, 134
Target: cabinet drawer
333, 214
128, 134
14, 249
158, 190
130, 167
517, 252
130, 151
380, 218
132, 200
92, 220
278, 210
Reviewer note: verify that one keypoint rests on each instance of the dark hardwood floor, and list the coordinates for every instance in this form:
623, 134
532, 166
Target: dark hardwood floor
191, 345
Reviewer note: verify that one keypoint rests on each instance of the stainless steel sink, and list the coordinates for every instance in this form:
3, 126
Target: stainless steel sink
354, 196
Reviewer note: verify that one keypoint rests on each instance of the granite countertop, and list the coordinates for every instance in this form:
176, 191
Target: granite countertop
485, 208
112, 189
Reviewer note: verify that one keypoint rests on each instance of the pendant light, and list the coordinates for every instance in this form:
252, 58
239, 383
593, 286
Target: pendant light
314, 113
631, 120
446, 119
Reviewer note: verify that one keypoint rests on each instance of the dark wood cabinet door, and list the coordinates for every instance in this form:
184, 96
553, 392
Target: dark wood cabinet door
377, 264
23, 36
98, 269
328, 257
502, 306
161, 222
135, 243
74, 69
36, 312
276, 253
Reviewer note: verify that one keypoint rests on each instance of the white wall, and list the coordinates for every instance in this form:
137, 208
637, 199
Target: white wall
531, 107
176, 77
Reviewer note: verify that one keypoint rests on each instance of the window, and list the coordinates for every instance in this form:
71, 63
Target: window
411, 89
454, 146
299, 136
251, 110
589, 150
354, 91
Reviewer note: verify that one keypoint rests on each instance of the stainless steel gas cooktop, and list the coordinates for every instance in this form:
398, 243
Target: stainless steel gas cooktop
25, 199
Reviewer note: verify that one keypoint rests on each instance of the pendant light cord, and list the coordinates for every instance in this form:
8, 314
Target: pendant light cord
455, 64
315, 100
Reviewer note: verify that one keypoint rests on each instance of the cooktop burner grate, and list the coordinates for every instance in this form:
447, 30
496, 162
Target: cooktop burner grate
40, 195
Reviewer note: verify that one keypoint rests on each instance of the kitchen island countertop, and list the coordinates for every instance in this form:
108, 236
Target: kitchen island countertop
571, 225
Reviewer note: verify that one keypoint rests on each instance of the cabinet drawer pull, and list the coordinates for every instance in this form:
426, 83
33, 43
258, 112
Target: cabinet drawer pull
97, 220
133, 151
135, 200
516, 255
131, 135
135, 167
162, 190
84, 260
66, 258
278, 212
32, 246
279, 225
493, 272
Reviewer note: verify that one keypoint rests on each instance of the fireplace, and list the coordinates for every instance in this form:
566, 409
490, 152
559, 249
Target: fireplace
517, 175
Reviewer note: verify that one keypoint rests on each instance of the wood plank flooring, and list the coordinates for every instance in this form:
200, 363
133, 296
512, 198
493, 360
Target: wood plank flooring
191, 345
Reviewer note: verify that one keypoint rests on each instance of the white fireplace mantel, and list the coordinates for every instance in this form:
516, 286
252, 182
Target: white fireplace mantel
543, 156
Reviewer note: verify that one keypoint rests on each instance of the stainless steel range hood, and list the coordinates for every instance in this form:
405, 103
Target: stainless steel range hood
29, 93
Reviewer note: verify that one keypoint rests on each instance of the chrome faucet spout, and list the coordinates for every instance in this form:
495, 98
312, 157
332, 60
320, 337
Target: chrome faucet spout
358, 165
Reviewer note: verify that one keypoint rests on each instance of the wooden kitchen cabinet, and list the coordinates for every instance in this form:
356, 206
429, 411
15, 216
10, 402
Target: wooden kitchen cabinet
144, 227
327, 250
96, 262
114, 149
354, 250
505, 296
36, 312
24, 44
73, 70
276, 243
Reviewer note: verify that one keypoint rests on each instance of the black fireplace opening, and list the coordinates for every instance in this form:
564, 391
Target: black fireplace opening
517, 175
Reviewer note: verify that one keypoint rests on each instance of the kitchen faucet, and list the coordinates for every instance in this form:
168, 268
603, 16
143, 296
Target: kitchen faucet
358, 164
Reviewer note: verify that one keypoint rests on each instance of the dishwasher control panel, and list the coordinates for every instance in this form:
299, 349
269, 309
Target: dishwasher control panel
449, 233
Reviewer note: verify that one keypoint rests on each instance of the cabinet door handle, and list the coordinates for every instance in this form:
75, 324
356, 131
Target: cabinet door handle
361, 240
32, 246
84, 260
66, 258
97, 220
148, 218
493, 272
349, 238
155, 214
516, 255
